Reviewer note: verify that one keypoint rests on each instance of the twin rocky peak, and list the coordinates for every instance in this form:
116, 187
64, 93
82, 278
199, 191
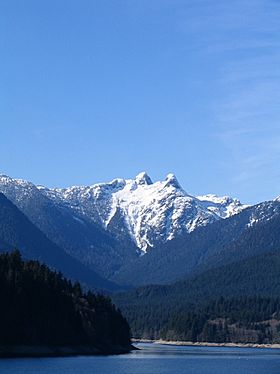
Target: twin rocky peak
147, 213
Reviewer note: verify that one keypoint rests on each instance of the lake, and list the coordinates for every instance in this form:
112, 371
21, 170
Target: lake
156, 359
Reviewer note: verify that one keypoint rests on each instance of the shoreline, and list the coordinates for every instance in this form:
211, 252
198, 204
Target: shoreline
207, 344
29, 351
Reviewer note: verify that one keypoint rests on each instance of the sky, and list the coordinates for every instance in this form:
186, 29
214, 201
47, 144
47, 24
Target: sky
91, 90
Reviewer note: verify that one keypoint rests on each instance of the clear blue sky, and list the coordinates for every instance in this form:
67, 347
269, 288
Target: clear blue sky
92, 90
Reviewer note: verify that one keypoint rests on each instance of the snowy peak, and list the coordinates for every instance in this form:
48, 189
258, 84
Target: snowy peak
223, 206
143, 178
216, 199
171, 180
6, 180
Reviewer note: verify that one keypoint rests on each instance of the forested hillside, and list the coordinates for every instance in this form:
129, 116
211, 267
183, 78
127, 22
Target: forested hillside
40, 308
150, 310
232, 320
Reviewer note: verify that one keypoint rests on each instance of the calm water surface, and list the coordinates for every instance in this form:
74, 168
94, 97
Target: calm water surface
156, 359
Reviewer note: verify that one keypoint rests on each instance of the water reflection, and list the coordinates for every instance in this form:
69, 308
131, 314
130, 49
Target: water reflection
156, 359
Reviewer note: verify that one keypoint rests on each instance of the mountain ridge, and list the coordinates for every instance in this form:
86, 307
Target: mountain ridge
151, 212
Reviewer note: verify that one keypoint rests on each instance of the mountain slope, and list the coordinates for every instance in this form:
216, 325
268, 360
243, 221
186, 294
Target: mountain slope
77, 235
257, 275
242, 260
16, 231
253, 231
149, 308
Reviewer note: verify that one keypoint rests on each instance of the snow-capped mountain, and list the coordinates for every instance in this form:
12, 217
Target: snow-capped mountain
107, 225
81, 238
150, 213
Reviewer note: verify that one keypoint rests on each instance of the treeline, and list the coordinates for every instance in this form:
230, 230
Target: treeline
40, 307
239, 320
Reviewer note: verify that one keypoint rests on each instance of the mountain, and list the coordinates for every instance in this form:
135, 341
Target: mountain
253, 231
136, 232
107, 226
238, 257
148, 213
17, 231
79, 236
43, 313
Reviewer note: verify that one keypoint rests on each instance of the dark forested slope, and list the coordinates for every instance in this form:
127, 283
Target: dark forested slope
40, 308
